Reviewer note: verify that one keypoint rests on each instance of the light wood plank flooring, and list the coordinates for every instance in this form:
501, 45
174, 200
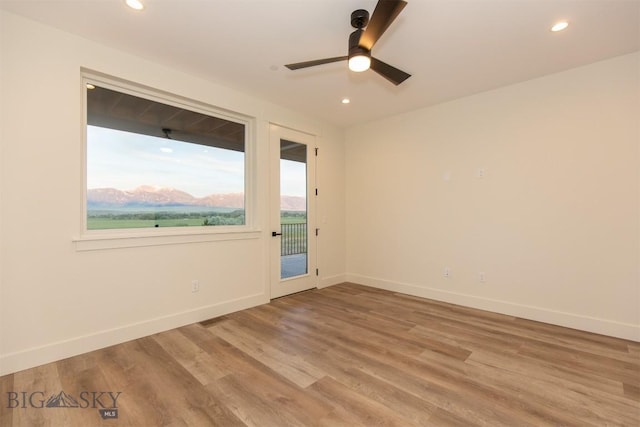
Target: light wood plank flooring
347, 355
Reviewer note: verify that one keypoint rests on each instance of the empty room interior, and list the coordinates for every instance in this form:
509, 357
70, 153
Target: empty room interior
331, 213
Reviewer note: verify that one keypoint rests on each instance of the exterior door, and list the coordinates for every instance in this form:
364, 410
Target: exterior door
293, 235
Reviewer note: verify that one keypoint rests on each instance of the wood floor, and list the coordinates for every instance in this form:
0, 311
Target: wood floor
347, 355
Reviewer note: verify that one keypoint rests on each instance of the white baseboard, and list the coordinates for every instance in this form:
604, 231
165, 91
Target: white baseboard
570, 320
29, 358
331, 280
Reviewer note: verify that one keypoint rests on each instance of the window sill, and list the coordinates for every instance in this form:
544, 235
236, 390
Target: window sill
93, 241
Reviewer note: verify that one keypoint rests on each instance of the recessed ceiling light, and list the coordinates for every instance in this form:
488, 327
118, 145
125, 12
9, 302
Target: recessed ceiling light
559, 26
345, 100
135, 4
90, 86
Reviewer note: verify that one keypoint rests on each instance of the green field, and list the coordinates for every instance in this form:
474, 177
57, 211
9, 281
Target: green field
293, 217
111, 223
109, 220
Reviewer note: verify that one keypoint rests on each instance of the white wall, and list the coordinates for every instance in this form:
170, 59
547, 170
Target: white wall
56, 301
554, 224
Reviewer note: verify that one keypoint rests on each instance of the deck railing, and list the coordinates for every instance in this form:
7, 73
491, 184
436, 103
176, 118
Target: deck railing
294, 239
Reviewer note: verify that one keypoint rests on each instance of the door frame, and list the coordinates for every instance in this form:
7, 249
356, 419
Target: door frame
280, 287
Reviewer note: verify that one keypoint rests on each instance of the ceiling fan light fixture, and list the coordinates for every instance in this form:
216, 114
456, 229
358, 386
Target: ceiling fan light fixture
359, 63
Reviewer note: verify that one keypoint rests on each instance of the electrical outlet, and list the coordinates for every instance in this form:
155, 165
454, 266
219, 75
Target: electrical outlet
447, 272
482, 277
195, 286
481, 172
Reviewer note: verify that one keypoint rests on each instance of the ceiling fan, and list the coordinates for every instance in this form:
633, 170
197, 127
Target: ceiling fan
361, 42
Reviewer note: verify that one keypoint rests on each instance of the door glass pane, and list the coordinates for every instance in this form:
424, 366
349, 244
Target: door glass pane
293, 209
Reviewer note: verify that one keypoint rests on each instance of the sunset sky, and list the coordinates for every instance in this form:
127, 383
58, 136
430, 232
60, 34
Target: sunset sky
123, 160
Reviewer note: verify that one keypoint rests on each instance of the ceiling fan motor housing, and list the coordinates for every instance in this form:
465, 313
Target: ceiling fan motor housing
359, 18
354, 44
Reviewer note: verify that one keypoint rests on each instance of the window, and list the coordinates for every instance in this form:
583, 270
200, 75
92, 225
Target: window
156, 162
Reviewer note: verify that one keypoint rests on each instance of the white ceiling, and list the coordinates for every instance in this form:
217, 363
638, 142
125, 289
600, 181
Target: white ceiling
452, 48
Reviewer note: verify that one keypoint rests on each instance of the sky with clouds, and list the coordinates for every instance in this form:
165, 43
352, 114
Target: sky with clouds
125, 161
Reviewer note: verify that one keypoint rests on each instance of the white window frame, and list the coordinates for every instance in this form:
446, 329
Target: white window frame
136, 237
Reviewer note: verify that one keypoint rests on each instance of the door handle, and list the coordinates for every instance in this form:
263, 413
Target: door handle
274, 234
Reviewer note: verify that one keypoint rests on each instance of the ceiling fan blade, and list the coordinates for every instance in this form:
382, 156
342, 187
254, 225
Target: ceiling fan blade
390, 73
385, 13
306, 64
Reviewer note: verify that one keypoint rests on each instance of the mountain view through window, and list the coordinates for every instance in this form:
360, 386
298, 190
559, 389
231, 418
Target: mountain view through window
151, 164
